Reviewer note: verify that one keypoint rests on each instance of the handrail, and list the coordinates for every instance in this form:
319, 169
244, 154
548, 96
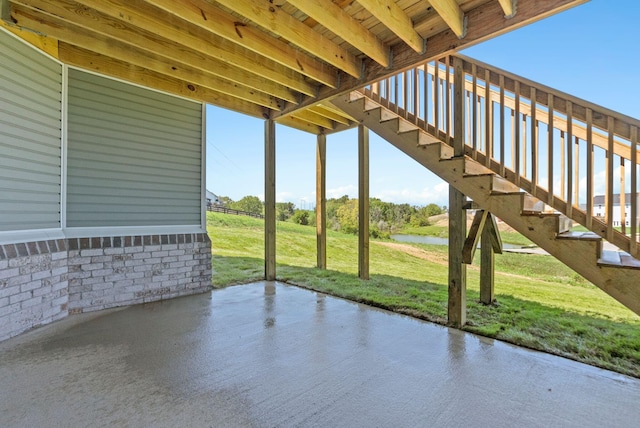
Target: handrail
559, 148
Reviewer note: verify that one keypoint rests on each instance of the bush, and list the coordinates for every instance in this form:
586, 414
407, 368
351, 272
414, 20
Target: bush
301, 217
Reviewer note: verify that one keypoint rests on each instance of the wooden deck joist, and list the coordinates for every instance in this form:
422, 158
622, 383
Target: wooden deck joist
266, 58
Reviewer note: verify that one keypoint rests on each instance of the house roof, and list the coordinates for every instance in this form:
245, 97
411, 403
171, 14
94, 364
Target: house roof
265, 58
211, 196
600, 199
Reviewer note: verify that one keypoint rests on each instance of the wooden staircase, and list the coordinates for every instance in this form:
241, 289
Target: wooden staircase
616, 273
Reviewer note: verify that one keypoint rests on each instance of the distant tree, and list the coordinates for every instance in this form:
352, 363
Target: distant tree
250, 204
347, 216
422, 214
434, 209
301, 217
225, 200
284, 210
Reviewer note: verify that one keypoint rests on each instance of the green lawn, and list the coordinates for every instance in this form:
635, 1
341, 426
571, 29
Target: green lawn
541, 303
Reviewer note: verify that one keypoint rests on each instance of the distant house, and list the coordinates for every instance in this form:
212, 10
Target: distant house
213, 200
599, 207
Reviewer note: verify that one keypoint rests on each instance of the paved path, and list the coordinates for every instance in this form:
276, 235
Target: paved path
265, 355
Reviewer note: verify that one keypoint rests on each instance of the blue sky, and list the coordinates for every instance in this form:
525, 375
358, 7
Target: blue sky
591, 51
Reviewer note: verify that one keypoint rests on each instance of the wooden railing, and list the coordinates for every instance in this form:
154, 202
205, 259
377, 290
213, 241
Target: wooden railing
577, 157
225, 210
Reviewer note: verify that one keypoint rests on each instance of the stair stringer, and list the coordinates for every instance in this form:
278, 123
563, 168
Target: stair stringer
542, 228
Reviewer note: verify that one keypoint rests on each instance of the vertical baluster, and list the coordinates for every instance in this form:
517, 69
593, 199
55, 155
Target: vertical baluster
634, 191
502, 136
623, 197
387, 92
512, 120
550, 148
474, 111
467, 117
416, 92
576, 176
436, 98
516, 132
609, 187
396, 82
562, 168
448, 99
569, 165
405, 93
488, 118
589, 168
524, 147
425, 99
534, 144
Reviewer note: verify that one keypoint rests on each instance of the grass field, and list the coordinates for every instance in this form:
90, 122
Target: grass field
541, 303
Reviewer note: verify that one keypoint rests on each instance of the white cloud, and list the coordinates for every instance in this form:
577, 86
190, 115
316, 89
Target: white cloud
437, 194
283, 196
337, 192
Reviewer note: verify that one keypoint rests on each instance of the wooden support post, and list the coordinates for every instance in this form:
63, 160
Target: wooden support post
457, 305
490, 244
363, 202
321, 200
486, 268
270, 200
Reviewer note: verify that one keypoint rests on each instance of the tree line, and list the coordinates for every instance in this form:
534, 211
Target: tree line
342, 214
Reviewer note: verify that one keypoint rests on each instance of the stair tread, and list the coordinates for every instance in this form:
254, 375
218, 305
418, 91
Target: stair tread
610, 257
618, 259
629, 262
589, 236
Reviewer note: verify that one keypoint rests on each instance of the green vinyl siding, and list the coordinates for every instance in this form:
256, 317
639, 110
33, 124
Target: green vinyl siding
30, 137
134, 156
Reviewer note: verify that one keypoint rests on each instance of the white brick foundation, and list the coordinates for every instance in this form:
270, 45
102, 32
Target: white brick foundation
44, 281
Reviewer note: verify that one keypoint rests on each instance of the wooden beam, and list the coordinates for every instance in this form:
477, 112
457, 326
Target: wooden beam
101, 44
181, 42
88, 60
212, 19
264, 14
316, 119
494, 233
269, 200
363, 202
44, 43
330, 107
299, 124
451, 13
509, 7
396, 20
483, 22
340, 23
487, 267
321, 201
475, 231
329, 114
457, 302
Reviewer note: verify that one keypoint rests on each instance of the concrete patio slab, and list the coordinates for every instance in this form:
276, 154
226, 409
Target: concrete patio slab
272, 355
